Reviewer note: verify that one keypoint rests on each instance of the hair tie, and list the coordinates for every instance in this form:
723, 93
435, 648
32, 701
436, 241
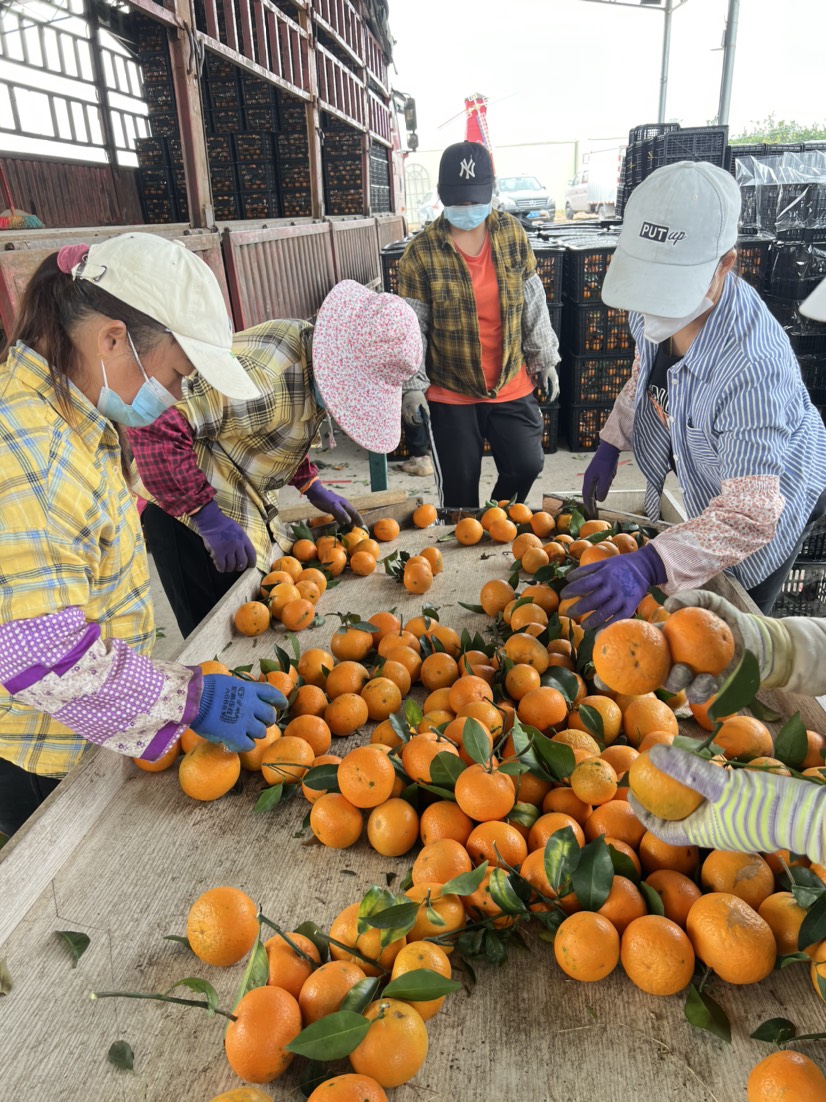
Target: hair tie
71, 255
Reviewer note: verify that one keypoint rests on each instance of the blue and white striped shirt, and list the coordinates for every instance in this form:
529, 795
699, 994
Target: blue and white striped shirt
749, 447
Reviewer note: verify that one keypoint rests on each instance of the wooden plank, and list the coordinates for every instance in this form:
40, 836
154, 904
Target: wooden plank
137, 852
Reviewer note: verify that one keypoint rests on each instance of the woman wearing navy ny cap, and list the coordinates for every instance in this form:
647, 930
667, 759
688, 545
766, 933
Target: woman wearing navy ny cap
715, 395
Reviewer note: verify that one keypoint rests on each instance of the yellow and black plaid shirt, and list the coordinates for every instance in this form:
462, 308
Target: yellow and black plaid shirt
433, 273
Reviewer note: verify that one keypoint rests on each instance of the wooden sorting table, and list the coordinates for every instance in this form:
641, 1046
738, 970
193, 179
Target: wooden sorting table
121, 855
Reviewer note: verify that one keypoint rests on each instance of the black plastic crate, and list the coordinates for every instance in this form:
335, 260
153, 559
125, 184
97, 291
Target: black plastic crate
701, 143
223, 178
150, 37
596, 329
752, 260
159, 96
154, 152
224, 94
226, 120
379, 199
584, 423
390, 257
296, 204
805, 336
814, 545
227, 206
219, 68
257, 176
650, 130
261, 117
155, 66
550, 263
295, 175
157, 182
585, 268
220, 149
292, 143
803, 592
813, 372
794, 269
587, 379
160, 209
260, 204
257, 92
164, 124
739, 152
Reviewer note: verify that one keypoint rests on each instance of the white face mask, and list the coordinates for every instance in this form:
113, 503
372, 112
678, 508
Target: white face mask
658, 329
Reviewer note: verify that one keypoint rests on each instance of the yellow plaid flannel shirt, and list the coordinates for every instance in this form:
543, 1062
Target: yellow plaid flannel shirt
432, 272
69, 536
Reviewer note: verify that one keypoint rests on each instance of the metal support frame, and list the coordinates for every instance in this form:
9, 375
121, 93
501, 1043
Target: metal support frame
186, 67
729, 47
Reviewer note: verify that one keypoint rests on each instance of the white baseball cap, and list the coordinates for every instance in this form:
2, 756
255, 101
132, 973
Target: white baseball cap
677, 225
165, 280
815, 305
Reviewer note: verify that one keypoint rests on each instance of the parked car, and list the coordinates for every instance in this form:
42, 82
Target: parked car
525, 198
593, 189
430, 208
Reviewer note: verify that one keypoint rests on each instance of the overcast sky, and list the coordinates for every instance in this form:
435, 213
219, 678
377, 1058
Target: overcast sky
571, 69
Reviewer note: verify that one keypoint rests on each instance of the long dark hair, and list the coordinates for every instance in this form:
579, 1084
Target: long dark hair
53, 304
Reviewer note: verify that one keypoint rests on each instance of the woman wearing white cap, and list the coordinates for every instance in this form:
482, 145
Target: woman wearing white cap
216, 464
103, 338
715, 394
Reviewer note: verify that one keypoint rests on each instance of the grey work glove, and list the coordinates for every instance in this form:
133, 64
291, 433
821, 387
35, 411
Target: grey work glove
547, 379
414, 407
768, 640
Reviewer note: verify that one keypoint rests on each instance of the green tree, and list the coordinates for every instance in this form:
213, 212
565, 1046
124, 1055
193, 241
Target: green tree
772, 130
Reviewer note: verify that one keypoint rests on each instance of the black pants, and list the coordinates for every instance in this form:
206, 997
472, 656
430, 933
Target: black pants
417, 441
188, 575
765, 593
21, 794
514, 431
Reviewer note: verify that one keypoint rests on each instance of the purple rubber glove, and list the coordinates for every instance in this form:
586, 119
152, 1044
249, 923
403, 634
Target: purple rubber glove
612, 589
234, 712
227, 542
328, 502
598, 477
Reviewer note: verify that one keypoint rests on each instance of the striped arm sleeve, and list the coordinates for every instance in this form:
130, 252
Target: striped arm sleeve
733, 526
619, 428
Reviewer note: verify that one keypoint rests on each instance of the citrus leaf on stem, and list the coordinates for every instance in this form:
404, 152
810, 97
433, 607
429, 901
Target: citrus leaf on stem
503, 894
704, 1013
78, 943
777, 1031
361, 994
413, 712
472, 608
653, 899
322, 778
558, 757
792, 958
739, 688
201, 987
6, 983
420, 986
257, 971
792, 745
269, 799
467, 882
445, 769
594, 875
331, 1038
312, 932
592, 721
179, 939
563, 680
401, 916
623, 865
120, 1055
762, 712
813, 927
475, 741
522, 814
562, 855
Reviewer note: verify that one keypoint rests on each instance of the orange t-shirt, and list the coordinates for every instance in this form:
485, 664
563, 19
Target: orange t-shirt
489, 317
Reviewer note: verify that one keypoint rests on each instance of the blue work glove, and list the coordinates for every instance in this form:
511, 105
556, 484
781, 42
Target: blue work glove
327, 502
612, 589
598, 477
235, 712
227, 542
745, 810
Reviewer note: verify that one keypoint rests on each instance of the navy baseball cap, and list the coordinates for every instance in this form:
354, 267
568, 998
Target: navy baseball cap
465, 174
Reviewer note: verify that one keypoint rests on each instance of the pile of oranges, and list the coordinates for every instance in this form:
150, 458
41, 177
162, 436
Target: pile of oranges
506, 756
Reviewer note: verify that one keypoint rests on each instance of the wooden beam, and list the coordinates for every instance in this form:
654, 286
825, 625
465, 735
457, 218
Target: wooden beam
186, 79
313, 120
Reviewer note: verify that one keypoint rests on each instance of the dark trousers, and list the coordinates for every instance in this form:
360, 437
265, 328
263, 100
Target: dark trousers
417, 440
514, 432
765, 593
188, 575
21, 794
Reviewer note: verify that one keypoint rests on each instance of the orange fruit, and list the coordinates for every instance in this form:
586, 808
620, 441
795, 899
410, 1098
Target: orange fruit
438, 671
656, 854
362, 563
484, 796
620, 757
313, 794
369, 546
423, 954
290, 564
208, 771
334, 560
309, 700
524, 648
731, 937
418, 754
526, 615
699, 639
281, 596
324, 543
440, 861
270, 581
346, 677
317, 577
222, 926
405, 656
549, 824
677, 891
594, 781
395, 1046
817, 969
542, 708
366, 776
447, 637
598, 552
469, 531
326, 987
519, 513
444, 819
346, 714
494, 513
785, 916
623, 905
424, 516
267, 1020
351, 644
632, 656
189, 740
344, 928
744, 738
467, 689
498, 844
743, 874
393, 827
786, 1076
398, 674
625, 849
609, 712
382, 697
520, 680
521, 544
502, 531
385, 530
287, 969
388, 623
313, 663
297, 615
353, 538
647, 714
304, 550
495, 596
434, 557
587, 947
616, 819
167, 758
253, 759
417, 577
308, 591
564, 800
335, 821
659, 793
449, 909
252, 618
349, 1088
287, 760
657, 955
542, 524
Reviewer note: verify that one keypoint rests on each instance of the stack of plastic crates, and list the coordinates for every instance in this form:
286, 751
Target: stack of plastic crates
657, 144
804, 591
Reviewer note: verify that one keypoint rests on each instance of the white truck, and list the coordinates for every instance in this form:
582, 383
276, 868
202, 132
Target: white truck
593, 190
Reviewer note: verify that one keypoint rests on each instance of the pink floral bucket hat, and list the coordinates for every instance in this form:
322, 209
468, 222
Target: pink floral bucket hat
365, 347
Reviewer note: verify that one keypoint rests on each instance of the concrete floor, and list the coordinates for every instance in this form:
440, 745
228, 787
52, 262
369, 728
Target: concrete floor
345, 469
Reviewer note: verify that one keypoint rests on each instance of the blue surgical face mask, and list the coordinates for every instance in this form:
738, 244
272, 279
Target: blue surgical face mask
467, 218
149, 403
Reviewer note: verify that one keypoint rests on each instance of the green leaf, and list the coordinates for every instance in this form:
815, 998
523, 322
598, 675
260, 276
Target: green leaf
653, 899
467, 882
78, 943
401, 916
805, 886
514, 768
433, 916
776, 1031
765, 714
257, 971
592, 720
704, 1013
322, 778
361, 994
503, 894
472, 608
739, 688
813, 928
594, 875
269, 799
623, 865
412, 712
446, 768
400, 725
421, 985
120, 1054
332, 1037
375, 899
201, 987
448, 537
791, 745
311, 931
564, 681
5, 978
584, 654
558, 757
792, 958
577, 520
562, 855
494, 948
475, 742
658, 594
314, 1074
437, 790
523, 814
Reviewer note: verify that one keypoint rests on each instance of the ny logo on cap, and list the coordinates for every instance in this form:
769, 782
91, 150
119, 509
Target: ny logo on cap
467, 168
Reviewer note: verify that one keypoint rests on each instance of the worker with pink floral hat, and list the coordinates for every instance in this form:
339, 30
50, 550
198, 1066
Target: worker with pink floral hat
211, 467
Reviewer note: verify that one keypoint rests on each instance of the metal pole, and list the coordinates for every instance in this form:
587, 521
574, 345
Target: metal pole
729, 47
667, 11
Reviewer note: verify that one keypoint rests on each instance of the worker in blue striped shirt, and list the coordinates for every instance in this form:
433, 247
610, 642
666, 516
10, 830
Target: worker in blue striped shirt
715, 395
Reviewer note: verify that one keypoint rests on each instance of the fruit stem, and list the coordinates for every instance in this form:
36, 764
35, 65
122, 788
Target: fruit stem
805, 1037
352, 949
298, 952
161, 998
